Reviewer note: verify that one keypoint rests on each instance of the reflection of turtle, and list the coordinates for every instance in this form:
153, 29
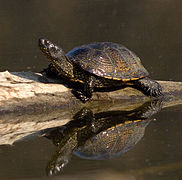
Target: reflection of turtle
99, 136
113, 141
99, 65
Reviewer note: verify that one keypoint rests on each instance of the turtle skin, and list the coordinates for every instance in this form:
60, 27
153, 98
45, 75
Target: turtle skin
100, 65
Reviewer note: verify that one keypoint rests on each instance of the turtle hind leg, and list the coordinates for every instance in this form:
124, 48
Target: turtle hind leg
149, 87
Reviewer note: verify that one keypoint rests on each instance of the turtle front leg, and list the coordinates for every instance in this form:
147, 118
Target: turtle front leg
149, 87
86, 93
50, 71
81, 95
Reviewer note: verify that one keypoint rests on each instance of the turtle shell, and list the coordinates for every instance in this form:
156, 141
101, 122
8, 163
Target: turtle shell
108, 60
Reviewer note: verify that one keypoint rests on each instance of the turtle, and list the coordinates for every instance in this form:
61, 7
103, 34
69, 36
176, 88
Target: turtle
100, 65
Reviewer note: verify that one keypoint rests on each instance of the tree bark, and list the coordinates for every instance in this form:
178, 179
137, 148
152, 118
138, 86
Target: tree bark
30, 102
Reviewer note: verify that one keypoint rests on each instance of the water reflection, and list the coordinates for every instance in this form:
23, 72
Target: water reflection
102, 135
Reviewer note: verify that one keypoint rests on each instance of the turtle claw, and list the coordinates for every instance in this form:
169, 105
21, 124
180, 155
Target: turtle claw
80, 95
155, 90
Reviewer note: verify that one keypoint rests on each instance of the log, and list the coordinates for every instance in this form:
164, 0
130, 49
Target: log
30, 102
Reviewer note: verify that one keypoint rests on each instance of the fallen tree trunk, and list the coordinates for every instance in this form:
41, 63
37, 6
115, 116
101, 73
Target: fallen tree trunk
30, 102
27, 91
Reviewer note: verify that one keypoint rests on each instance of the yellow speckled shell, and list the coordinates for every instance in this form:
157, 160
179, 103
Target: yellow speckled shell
108, 60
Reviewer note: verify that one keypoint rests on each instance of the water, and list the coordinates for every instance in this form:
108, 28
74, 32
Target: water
154, 154
152, 29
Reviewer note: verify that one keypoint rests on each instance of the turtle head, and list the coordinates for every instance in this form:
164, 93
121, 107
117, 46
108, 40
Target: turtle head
50, 49
57, 57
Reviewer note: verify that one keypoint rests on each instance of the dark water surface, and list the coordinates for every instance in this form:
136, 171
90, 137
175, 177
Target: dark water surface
156, 153
152, 29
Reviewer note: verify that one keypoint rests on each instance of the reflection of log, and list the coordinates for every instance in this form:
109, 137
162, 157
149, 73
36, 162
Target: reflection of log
27, 101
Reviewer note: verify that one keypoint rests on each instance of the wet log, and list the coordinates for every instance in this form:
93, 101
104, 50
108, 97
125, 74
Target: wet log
30, 102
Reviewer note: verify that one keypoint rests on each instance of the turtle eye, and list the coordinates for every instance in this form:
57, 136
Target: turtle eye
44, 43
47, 43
